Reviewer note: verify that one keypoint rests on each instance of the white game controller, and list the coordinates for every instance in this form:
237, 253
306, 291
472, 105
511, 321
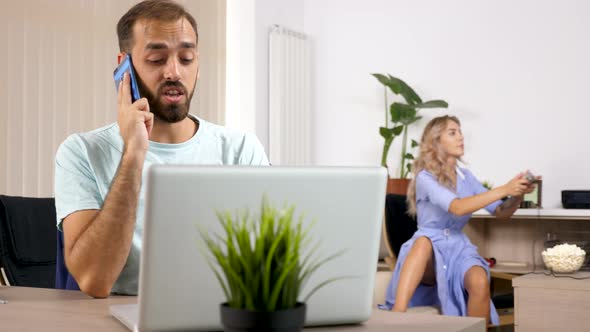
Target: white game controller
530, 177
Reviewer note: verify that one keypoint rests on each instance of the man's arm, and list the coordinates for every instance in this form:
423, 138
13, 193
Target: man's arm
97, 242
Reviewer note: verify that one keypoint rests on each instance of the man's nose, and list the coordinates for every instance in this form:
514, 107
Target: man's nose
172, 70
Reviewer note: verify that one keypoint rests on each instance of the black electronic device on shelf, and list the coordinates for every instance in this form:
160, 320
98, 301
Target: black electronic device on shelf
575, 199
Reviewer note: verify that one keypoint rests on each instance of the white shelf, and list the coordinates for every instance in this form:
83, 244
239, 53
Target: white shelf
528, 268
571, 214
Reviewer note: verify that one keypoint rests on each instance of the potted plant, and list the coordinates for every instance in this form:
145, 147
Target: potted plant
262, 265
402, 116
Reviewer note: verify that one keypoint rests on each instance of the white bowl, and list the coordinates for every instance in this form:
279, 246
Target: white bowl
563, 263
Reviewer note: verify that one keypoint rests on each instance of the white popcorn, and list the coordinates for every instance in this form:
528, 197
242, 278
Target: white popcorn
564, 258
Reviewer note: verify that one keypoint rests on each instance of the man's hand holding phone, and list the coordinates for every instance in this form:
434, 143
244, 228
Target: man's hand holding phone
135, 119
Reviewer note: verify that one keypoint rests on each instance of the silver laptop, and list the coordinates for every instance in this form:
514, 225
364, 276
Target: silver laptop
178, 290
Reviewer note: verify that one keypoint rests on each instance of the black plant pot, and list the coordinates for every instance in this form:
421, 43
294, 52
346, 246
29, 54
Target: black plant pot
239, 320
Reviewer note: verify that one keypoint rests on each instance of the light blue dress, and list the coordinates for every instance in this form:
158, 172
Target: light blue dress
453, 252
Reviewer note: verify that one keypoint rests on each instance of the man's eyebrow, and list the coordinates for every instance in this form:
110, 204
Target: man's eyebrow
156, 46
188, 45
163, 46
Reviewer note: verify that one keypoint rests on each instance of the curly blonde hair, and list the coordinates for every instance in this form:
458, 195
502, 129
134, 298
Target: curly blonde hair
433, 159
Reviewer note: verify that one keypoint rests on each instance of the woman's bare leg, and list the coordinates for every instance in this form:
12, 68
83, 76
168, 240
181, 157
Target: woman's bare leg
478, 288
418, 267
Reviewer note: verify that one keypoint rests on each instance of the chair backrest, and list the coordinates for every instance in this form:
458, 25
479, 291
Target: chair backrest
27, 240
399, 226
63, 278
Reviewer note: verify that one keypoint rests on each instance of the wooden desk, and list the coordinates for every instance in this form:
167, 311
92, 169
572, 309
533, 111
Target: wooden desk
521, 239
543, 213
35, 309
547, 303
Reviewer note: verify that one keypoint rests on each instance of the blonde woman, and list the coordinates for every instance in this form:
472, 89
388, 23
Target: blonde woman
439, 266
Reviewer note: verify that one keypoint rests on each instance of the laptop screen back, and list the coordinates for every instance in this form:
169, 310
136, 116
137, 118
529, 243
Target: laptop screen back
178, 290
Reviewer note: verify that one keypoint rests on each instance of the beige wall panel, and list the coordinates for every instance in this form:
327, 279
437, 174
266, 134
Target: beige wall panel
57, 79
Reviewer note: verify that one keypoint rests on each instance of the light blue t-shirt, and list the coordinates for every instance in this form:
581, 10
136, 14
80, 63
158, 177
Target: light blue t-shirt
86, 163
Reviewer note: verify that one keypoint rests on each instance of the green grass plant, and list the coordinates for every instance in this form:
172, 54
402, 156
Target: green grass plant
262, 262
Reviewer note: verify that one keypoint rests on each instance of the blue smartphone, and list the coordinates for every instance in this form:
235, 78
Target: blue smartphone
127, 66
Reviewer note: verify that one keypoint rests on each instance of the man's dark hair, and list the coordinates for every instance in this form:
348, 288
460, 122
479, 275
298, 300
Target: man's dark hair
160, 10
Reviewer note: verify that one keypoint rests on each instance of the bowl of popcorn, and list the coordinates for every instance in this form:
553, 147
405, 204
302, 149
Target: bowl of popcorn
564, 258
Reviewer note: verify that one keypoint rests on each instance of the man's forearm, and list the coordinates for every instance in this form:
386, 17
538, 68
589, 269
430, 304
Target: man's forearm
99, 254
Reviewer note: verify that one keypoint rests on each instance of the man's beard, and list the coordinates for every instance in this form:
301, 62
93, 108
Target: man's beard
170, 113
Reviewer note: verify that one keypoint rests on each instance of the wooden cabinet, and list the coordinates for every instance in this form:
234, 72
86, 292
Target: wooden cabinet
541, 303
547, 303
517, 244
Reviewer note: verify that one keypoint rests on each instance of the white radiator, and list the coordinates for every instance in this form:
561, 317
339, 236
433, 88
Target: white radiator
289, 98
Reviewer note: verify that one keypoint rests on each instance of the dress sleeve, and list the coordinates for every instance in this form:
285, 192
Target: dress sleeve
478, 188
429, 189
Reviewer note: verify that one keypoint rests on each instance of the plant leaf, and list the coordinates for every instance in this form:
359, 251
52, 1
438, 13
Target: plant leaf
322, 284
382, 79
395, 85
405, 90
278, 286
317, 265
409, 156
385, 132
397, 130
414, 144
390, 133
219, 278
402, 113
202, 248
433, 104
267, 266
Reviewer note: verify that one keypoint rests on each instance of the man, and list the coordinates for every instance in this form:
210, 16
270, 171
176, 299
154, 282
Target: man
98, 176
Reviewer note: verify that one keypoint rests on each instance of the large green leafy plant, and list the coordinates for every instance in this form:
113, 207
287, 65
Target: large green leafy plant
402, 116
261, 263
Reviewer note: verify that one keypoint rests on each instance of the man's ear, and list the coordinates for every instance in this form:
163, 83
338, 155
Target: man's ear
120, 57
198, 66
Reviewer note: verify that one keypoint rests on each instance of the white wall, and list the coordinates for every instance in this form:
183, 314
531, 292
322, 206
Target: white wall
515, 72
248, 24
241, 71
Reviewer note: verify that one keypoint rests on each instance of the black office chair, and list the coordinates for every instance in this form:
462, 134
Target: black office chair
63, 278
27, 241
397, 229
399, 226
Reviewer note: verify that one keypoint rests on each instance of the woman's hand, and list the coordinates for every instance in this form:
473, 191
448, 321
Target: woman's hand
518, 186
532, 185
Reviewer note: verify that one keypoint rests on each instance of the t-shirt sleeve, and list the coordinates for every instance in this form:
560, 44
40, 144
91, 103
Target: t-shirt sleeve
478, 188
428, 188
252, 152
75, 185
